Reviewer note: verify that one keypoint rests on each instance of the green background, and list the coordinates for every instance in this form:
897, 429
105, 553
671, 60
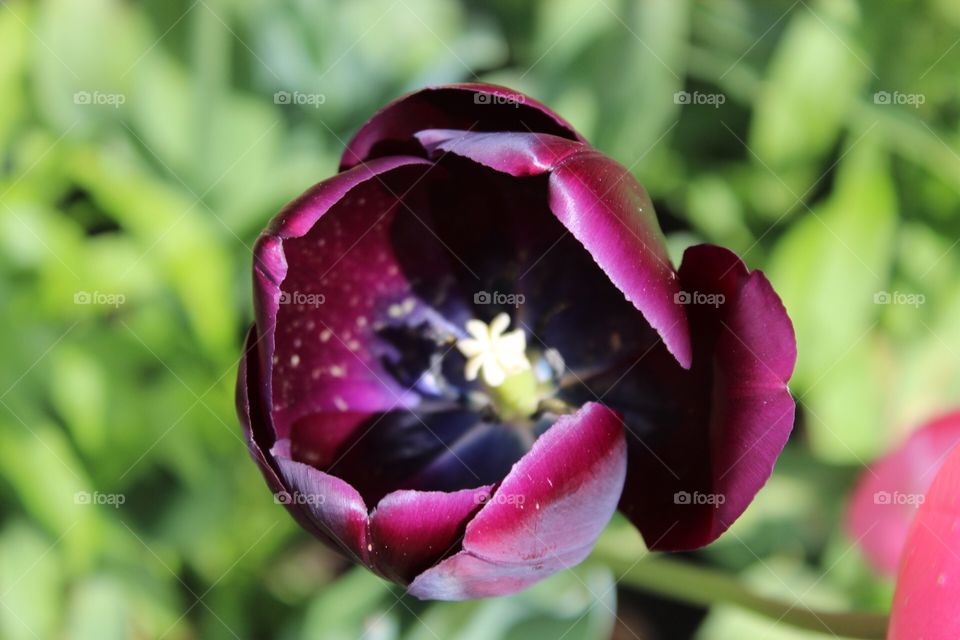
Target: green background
149, 208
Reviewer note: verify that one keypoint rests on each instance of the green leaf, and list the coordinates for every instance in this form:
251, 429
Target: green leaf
51, 486
357, 602
32, 582
652, 36
99, 610
173, 229
829, 268
812, 79
79, 82
784, 578
78, 390
576, 604
13, 49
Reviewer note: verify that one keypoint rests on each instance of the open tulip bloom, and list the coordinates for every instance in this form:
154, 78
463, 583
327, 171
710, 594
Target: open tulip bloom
471, 348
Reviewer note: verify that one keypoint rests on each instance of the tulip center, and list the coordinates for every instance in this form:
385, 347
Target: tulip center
500, 359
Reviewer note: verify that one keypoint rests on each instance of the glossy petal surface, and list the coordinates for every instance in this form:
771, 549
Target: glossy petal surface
544, 517
703, 442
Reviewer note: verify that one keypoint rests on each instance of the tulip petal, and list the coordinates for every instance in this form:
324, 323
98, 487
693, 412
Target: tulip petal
545, 516
515, 153
475, 107
888, 494
248, 408
390, 451
928, 585
407, 532
608, 211
325, 274
299, 216
411, 531
255, 422
702, 442
485, 454
331, 505
499, 249
601, 205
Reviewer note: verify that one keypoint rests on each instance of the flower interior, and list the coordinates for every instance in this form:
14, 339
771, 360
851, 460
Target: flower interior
449, 337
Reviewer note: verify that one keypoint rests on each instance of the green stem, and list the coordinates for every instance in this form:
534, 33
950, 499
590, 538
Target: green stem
704, 586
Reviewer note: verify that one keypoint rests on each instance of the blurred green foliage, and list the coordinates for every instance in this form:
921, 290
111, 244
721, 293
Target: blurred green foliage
142, 149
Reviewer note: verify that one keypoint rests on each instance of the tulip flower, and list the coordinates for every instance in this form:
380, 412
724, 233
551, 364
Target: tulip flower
471, 348
890, 492
926, 605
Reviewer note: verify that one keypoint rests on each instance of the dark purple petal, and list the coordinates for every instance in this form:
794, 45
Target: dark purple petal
474, 107
255, 422
484, 454
338, 282
407, 532
708, 438
515, 153
545, 516
886, 499
601, 205
297, 218
411, 531
608, 211
249, 408
331, 505
485, 231
439, 450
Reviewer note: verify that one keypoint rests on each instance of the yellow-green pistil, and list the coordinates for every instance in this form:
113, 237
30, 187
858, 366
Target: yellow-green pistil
501, 359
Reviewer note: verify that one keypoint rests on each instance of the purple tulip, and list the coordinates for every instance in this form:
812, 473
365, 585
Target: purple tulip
471, 348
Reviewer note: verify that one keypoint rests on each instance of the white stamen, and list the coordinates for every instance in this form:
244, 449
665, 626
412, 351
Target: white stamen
497, 354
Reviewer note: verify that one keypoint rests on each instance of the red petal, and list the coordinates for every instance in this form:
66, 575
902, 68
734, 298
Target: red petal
928, 586
886, 498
